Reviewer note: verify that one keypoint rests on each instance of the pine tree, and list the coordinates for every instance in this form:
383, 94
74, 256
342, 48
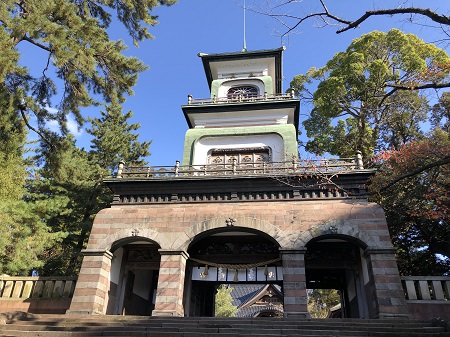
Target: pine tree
82, 65
24, 229
75, 176
114, 139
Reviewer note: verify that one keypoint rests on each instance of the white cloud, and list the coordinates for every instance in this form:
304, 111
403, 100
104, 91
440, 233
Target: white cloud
71, 124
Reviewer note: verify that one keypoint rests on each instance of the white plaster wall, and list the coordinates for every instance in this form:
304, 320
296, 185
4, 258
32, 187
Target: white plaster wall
271, 140
115, 265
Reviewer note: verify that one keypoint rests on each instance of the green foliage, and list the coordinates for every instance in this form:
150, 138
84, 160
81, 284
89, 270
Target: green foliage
370, 98
47, 206
82, 60
114, 139
24, 231
320, 301
74, 176
357, 103
224, 302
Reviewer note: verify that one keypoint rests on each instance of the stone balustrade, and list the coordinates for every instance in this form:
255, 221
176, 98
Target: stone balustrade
36, 287
427, 296
426, 288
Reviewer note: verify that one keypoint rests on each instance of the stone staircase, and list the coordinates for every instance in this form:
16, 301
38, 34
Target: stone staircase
27, 325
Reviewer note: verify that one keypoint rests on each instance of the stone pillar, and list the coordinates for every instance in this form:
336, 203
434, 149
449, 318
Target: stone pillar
170, 289
91, 291
294, 283
387, 291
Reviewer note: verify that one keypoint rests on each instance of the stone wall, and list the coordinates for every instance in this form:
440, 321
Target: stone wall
291, 223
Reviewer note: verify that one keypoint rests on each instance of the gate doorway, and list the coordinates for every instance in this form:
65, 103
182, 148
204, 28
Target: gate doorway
134, 278
334, 263
229, 256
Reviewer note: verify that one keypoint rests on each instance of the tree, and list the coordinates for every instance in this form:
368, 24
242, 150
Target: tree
320, 302
80, 57
114, 139
55, 198
413, 185
224, 302
24, 231
357, 104
75, 175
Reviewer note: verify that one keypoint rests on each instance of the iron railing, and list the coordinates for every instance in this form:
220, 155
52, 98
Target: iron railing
239, 98
313, 166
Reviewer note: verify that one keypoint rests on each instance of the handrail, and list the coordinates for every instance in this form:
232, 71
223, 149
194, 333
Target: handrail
239, 99
313, 166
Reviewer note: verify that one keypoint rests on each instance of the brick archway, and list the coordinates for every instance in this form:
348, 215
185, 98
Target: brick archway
239, 221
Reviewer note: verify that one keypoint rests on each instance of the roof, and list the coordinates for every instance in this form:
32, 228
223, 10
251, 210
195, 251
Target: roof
244, 296
243, 293
276, 54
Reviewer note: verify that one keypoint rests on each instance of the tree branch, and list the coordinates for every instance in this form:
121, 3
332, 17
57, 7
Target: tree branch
441, 19
37, 44
29, 126
445, 160
418, 87
396, 87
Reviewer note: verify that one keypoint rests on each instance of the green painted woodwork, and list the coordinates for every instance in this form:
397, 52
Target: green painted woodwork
286, 131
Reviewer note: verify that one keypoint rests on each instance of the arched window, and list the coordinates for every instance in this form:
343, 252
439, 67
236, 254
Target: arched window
242, 92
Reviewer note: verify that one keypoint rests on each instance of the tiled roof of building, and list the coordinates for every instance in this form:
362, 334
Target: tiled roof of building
253, 310
242, 293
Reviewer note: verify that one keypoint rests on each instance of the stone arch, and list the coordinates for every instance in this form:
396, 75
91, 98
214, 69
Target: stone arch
240, 221
128, 234
334, 229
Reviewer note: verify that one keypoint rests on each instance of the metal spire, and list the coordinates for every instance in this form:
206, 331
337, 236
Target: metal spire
245, 42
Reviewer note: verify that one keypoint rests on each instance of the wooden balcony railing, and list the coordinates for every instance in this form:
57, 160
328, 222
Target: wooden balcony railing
322, 166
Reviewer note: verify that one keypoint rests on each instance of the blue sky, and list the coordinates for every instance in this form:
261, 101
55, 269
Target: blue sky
216, 26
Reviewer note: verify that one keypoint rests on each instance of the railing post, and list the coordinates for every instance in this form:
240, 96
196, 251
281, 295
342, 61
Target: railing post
359, 161
189, 99
234, 165
177, 167
214, 100
292, 92
294, 164
265, 95
120, 170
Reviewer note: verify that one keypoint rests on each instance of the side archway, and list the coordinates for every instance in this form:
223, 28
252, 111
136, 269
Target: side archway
133, 276
336, 263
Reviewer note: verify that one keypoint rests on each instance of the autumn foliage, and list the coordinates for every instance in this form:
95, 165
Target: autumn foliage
413, 184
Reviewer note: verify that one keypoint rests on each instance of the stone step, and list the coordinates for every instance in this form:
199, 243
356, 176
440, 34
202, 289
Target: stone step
26, 325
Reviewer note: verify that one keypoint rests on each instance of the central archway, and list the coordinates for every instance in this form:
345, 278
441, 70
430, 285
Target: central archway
230, 255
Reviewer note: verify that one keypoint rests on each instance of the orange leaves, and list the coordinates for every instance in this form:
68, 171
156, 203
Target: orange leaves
417, 176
